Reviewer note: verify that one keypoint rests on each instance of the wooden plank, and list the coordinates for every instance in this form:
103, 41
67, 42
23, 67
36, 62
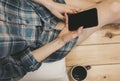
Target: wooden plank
94, 54
107, 34
103, 73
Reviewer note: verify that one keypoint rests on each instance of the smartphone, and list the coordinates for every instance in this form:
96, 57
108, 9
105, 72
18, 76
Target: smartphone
87, 19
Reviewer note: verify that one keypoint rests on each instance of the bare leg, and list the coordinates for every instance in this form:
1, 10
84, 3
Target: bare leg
82, 4
108, 12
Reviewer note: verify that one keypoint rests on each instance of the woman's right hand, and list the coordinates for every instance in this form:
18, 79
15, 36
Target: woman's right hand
58, 9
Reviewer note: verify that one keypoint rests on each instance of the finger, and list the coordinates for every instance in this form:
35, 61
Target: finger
79, 30
59, 15
71, 9
66, 20
76, 10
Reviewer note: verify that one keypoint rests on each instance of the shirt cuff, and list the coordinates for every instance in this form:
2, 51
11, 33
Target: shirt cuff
28, 61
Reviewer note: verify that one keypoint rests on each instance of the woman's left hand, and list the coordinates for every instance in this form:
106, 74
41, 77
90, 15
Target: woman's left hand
67, 35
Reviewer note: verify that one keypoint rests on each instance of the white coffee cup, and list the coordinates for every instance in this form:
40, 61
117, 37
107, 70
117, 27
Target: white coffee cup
79, 73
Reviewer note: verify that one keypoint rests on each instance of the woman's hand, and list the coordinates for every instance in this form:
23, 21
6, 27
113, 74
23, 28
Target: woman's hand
58, 9
67, 35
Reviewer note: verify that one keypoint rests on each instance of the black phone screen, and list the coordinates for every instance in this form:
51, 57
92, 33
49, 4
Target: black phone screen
88, 18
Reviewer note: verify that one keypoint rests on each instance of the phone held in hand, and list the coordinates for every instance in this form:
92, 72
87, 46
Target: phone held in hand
87, 19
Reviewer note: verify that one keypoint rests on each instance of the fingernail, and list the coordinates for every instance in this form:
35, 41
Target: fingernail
81, 27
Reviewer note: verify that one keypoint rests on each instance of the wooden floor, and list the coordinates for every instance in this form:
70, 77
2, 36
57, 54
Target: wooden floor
102, 52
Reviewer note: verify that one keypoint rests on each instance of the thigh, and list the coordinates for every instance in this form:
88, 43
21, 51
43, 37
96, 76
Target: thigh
82, 4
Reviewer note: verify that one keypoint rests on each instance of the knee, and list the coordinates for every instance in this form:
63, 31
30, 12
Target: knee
115, 6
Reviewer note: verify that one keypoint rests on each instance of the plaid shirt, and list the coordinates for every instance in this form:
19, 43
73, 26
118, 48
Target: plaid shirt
24, 27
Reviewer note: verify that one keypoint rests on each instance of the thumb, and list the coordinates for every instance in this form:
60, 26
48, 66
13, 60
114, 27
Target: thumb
79, 30
66, 20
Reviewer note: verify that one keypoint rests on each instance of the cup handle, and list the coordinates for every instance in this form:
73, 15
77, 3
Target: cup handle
88, 67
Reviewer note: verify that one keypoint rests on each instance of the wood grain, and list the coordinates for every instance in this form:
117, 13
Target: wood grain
101, 51
94, 54
102, 73
107, 34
